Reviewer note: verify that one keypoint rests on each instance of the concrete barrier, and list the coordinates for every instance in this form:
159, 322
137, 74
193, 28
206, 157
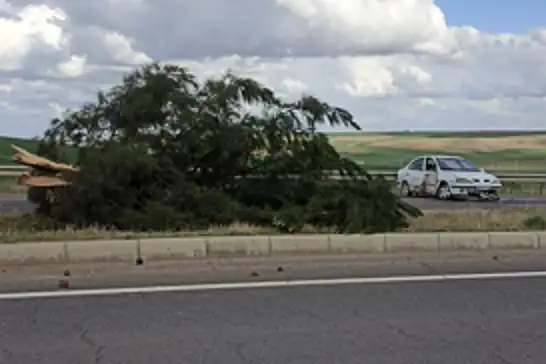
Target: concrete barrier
242, 246
358, 243
178, 248
286, 244
513, 240
411, 242
238, 246
463, 241
32, 252
104, 250
541, 239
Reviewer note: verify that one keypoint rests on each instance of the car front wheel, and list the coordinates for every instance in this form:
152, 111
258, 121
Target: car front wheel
443, 192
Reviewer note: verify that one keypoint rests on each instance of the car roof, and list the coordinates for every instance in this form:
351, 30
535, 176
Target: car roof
447, 156
435, 157
439, 156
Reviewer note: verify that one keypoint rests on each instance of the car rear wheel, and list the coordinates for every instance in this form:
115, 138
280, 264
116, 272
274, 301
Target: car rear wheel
405, 190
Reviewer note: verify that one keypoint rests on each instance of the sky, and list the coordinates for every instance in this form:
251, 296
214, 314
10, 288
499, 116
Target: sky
394, 64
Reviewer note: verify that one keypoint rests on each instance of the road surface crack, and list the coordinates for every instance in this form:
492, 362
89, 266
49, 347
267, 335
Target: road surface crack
401, 331
240, 353
498, 356
84, 336
6, 356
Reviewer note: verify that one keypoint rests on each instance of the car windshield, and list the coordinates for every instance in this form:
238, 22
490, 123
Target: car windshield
457, 164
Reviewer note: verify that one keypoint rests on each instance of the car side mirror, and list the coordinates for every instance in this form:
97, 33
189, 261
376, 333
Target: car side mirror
482, 170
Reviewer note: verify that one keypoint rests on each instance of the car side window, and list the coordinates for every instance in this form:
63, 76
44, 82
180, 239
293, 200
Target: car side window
416, 165
430, 164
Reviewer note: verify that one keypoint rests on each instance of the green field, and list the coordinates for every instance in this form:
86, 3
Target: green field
495, 151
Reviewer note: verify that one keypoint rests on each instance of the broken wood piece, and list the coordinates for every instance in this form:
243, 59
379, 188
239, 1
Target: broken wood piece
28, 159
42, 181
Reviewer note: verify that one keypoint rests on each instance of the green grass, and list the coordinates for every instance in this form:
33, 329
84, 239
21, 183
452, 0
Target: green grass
6, 151
513, 158
510, 160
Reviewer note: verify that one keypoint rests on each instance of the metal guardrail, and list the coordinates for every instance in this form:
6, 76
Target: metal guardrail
7, 168
511, 181
15, 171
500, 175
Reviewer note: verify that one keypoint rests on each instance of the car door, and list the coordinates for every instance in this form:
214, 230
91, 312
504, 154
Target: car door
430, 177
415, 173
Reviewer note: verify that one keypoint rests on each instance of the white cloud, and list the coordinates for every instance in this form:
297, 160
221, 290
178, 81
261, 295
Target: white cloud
122, 51
369, 76
395, 64
5, 88
377, 26
24, 29
294, 86
74, 67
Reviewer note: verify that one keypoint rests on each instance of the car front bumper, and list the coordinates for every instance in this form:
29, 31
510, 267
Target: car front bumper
475, 190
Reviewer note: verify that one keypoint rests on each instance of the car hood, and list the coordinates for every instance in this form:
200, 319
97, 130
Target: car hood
475, 176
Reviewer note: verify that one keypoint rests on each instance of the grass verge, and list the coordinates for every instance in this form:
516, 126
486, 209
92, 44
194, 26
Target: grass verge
19, 228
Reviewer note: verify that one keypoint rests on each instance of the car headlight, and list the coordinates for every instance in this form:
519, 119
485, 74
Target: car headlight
463, 180
495, 182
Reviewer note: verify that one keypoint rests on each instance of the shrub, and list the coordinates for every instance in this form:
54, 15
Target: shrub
535, 223
162, 151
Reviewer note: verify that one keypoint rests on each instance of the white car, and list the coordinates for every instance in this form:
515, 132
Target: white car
446, 177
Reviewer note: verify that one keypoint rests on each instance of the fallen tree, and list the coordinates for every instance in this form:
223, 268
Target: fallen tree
163, 151
51, 174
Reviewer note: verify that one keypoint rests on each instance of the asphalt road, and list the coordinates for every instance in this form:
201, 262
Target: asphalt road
15, 204
445, 322
20, 204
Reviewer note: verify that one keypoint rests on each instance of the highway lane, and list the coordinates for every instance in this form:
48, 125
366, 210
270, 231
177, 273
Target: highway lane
495, 321
20, 204
15, 204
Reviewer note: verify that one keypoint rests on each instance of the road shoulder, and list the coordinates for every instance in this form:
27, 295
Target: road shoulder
47, 277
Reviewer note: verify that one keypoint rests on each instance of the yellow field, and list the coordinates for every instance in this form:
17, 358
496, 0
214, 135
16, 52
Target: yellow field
461, 144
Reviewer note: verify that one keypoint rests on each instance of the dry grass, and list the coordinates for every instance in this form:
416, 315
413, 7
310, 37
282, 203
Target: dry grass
16, 229
465, 144
508, 219
20, 228
461, 144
